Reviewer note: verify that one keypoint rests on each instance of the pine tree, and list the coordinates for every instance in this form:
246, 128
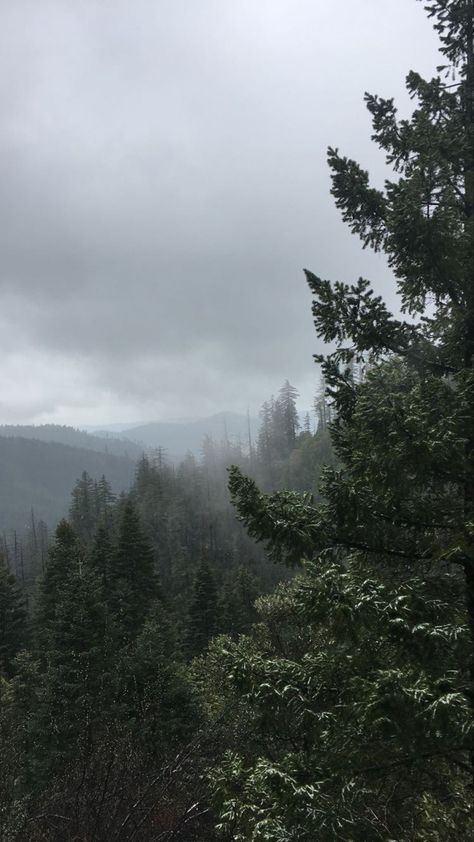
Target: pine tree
424, 222
104, 500
134, 584
143, 477
73, 643
264, 435
83, 510
366, 718
203, 611
288, 423
77, 683
64, 560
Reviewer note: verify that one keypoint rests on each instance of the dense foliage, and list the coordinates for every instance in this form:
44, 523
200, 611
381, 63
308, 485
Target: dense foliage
99, 715
169, 681
356, 688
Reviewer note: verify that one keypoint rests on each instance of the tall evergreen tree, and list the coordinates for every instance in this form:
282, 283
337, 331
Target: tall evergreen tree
83, 509
264, 435
73, 684
64, 560
424, 222
203, 611
374, 707
104, 499
76, 686
288, 415
135, 584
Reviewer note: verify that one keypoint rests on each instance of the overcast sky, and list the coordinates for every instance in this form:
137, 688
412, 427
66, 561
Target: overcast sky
164, 182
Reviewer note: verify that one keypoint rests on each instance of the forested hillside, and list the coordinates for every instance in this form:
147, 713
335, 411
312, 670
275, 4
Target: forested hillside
39, 475
179, 437
38, 478
184, 507
62, 434
111, 614
275, 642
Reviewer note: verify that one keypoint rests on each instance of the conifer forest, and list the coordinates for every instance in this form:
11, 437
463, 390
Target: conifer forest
273, 640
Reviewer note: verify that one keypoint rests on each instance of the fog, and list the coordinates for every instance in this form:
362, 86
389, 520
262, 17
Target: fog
164, 182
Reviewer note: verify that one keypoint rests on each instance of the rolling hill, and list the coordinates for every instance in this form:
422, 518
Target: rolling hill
40, 475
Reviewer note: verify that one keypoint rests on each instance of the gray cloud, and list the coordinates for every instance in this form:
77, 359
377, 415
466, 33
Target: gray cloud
163, 182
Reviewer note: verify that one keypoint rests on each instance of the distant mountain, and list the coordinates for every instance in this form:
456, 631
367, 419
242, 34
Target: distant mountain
106, 429
41, 474
39, 465
106, 443
178, 437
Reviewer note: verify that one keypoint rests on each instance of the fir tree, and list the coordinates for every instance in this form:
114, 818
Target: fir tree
64, 560
77, 684
265, 435
135, 584
366, 718
288, 423
101, 561
424, 222
203, 611
104, 500
83, 512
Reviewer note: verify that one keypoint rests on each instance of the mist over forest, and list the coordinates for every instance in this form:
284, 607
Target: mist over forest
237, 513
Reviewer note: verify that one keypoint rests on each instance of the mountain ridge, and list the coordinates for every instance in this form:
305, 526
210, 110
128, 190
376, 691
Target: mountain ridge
73, 437
39, 475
